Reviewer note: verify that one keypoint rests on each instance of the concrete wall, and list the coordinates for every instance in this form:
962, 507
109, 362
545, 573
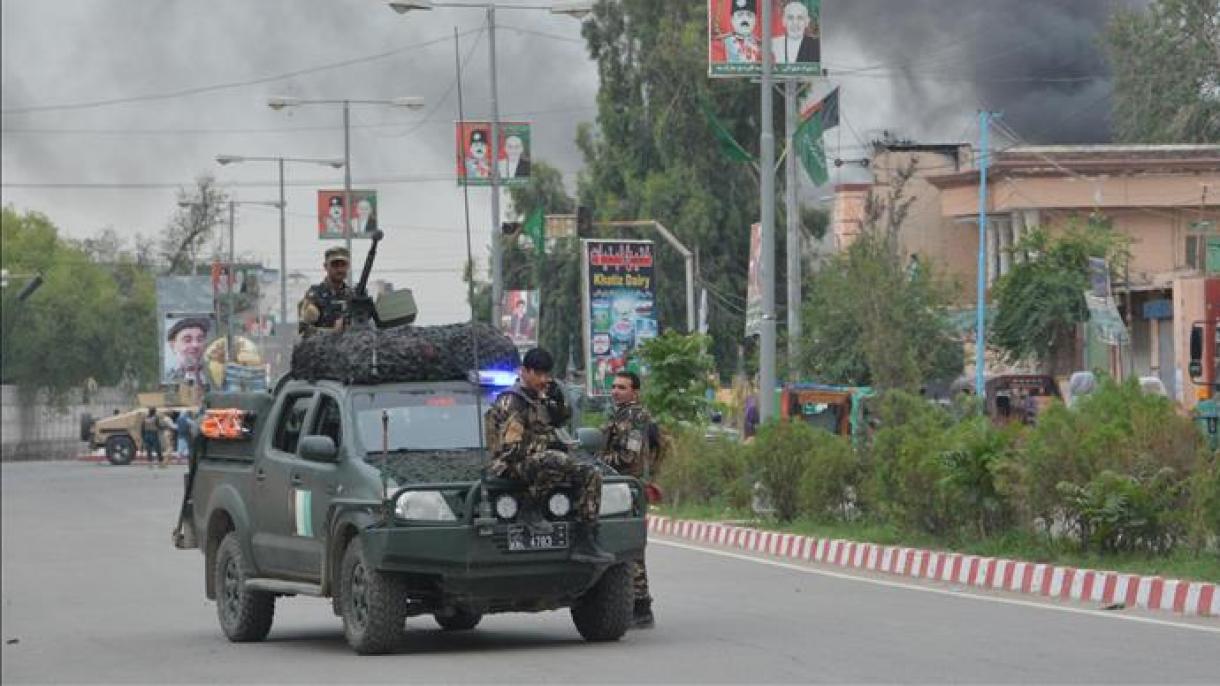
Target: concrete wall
39, 431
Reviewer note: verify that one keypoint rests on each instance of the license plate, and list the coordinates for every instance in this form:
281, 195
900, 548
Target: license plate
521, 539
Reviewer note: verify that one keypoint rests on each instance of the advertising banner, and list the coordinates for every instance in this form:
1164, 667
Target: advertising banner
735, 35
519, 320
185, 325
754, 282
474, 153
333, 215
619, 309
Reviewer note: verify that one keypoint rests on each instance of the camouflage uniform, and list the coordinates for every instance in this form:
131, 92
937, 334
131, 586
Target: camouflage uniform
520, 439
629, 449
330, 303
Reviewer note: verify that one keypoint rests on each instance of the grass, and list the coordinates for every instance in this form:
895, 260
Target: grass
1180, 564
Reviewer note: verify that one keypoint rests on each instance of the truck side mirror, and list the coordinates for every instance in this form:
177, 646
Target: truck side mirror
590, 439
319, 448
1196, 353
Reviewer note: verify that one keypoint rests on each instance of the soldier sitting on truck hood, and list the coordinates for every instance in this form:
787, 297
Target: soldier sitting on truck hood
519, 436
325, 304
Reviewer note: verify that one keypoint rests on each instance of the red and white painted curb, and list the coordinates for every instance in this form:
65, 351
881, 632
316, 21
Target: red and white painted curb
1194, 598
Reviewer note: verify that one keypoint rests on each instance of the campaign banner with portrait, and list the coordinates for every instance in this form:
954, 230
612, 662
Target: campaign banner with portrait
619, 307
519, 318
185, 323
333, 213
735, 35
754, 283
474, 153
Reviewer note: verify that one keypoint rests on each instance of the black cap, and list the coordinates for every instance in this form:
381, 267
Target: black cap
188, 323
538, 360
478, 136
336, 200
745, 5
337, 253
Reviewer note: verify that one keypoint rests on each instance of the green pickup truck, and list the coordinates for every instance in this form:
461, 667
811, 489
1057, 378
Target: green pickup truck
374, 496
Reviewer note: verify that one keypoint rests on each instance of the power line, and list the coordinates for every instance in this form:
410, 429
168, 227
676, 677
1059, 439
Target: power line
197, 90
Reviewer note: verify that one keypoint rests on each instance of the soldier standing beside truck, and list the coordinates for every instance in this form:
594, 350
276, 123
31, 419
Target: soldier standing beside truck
630, 440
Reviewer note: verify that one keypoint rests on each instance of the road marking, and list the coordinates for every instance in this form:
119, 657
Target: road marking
965, 593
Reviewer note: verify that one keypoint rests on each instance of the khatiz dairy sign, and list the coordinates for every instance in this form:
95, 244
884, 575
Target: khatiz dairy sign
619, 307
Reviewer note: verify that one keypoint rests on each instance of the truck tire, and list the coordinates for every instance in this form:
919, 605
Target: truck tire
86, 427
460, 620
245, 615
120, 450
373, 604
603, 613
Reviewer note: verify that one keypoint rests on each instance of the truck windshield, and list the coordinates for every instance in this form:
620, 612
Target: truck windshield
417, 419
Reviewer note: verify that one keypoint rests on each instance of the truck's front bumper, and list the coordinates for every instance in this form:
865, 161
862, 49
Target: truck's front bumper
479, 569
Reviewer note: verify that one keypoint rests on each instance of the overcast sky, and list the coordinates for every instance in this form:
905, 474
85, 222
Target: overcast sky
921, 69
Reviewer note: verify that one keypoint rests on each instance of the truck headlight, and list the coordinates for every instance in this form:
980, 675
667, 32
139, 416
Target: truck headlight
616, 499
506, 506
424, 506
559, 504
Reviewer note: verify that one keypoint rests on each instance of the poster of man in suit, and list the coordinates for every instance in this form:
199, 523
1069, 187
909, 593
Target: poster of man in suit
519, 320
474, 158
735, 35
334, 215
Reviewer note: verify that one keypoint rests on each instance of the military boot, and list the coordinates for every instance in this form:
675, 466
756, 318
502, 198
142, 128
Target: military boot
641, 614
587, 549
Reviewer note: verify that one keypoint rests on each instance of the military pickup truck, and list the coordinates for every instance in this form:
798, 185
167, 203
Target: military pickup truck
374, 496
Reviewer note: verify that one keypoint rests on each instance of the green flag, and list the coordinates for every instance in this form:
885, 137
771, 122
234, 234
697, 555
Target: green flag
728, 146
535, 228
808, 143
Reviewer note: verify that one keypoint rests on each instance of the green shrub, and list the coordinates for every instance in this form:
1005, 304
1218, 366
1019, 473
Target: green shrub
1119, 512
1205, 505
831, 479
779, 457
906, 466
701, 471
975, 449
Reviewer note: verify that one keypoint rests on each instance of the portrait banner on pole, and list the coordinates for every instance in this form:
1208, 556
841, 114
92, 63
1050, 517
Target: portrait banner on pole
333, 216
735, 36
519, 317
474, 153
185, 324
619, 311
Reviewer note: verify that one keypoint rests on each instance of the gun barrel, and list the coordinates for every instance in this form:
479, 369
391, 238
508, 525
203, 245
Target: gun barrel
363, 284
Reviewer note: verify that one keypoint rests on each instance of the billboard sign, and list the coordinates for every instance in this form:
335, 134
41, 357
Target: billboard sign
619, 307
735, 35
185, 325
473, 153
519, 320
754, 282
333, 214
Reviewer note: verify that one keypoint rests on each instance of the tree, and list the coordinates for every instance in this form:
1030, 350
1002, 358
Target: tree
200, 210
653, 155
1040, 301
1166, 61
869, 318
88, 320
678, 371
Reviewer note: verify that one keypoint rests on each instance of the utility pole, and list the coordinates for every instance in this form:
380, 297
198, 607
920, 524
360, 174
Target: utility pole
283, 252
497, 245
794, 236
229, 353
766, 347
347, 177
980, 345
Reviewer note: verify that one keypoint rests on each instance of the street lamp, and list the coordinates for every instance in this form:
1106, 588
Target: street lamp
238, 159
280, 102
230, 354
577, 9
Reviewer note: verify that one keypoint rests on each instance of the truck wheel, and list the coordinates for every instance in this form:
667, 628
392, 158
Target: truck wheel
460, 620
120, 450
86, 427
603, 613
373, 604
245, 615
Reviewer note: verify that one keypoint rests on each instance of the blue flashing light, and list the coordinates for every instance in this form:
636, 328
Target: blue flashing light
497, 378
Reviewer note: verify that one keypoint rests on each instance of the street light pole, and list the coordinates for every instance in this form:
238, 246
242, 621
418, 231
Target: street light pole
347, 176
283, 250
497, 245
794, 234
766, 352
229, 352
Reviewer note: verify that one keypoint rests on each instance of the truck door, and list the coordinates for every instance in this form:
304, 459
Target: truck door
314, 484
274, 503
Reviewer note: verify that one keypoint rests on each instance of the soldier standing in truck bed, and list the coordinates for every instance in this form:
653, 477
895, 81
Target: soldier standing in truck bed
630, 447
325, 304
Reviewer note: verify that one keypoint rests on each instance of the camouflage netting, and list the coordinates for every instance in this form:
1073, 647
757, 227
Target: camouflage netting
429, 467
407, 353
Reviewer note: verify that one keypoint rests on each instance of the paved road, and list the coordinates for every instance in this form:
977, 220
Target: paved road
94, 592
